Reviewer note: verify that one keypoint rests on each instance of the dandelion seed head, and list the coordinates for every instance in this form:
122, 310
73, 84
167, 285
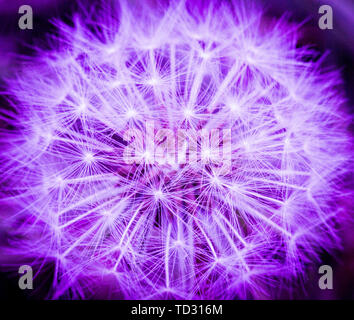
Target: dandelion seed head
154, 227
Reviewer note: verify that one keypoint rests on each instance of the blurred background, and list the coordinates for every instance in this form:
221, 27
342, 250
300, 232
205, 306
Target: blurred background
339, 41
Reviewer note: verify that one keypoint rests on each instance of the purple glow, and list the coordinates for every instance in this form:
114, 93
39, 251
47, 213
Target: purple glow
156, 230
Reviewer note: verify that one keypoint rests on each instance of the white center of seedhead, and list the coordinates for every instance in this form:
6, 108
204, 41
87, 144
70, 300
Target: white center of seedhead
153, 81
158, 194
131, 113
81, 107
89, 157
188, 113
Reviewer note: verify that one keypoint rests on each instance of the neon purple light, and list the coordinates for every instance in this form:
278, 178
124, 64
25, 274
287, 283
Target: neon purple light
160, 230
